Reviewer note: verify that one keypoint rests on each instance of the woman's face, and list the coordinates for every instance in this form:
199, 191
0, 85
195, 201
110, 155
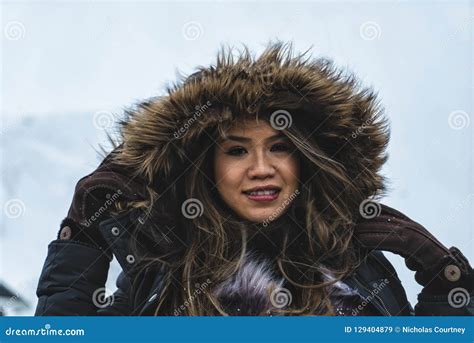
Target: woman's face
255, 172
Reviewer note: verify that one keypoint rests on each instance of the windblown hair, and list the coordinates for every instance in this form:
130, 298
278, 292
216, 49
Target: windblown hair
338, 133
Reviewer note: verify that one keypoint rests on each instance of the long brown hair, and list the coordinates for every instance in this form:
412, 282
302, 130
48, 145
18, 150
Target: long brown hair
212, 245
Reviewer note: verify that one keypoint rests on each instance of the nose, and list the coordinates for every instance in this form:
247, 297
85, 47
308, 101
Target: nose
261, 168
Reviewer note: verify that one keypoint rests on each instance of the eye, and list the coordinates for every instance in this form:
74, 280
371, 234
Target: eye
236, 151
277, 147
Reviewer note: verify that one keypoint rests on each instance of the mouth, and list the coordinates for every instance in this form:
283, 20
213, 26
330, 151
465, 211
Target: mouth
266, 193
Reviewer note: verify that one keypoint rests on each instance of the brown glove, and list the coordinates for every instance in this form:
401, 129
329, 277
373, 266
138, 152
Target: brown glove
95, 197
437, 268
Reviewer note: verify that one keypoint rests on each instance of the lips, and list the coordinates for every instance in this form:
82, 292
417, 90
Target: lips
265, 193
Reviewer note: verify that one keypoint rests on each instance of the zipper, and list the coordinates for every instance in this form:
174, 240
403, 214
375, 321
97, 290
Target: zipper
374, 295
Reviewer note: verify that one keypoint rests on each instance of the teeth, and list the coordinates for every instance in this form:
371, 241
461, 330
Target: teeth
266, 192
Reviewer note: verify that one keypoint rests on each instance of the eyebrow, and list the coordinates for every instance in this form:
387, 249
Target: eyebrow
247, 139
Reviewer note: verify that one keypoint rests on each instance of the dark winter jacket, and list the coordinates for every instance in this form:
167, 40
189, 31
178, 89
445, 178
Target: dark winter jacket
328, 108
73, 279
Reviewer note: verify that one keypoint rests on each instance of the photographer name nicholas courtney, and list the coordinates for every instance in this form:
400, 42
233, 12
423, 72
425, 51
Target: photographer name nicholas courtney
436, 329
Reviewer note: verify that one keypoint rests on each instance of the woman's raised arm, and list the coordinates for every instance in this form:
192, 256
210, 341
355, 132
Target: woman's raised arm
445, 274
73, 277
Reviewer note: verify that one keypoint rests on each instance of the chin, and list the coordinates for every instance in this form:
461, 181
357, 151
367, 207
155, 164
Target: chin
267, 216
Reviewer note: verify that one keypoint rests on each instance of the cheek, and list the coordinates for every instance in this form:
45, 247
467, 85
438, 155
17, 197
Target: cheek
291, 171
228, 177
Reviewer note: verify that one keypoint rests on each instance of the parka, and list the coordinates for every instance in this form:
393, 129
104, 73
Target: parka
326, 104
74, 271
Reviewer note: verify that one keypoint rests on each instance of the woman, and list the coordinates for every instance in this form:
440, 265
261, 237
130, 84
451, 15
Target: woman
248, 190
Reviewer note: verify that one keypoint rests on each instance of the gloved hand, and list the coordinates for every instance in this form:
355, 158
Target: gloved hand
437, 268
95, 197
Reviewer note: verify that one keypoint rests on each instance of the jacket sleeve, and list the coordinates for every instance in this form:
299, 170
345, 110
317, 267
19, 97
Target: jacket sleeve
448, 287
72, 282
456, 303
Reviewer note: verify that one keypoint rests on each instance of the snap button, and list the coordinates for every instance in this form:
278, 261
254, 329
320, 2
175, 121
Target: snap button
130, 258
452, 272
66, 233
153, 297
115, 231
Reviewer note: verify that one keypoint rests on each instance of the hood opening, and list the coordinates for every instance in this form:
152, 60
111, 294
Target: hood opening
313, 100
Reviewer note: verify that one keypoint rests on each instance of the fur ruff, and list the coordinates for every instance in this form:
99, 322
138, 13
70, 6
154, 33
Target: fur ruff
159, 136
255, 289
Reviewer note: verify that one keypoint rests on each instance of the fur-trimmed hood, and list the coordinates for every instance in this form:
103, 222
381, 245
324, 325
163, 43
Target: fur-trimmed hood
326, 104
